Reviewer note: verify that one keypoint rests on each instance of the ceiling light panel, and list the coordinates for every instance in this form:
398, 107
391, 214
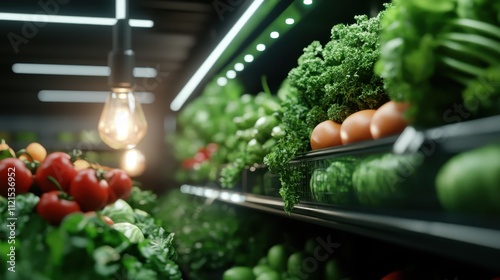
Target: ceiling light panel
76, 70
80, 96
72, 19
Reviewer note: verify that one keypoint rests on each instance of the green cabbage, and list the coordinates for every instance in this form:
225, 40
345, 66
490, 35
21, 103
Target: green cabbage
120, 211
132, 232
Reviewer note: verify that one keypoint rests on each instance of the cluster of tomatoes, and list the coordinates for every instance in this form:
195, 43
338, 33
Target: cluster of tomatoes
361, 126
65, 184
203, 154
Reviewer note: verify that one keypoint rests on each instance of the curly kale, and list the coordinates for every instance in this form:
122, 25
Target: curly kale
338, 78
295, 141
330, 82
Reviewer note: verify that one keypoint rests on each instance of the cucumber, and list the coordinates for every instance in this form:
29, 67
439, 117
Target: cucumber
469, 182
393, 180
259, 269
333, 185
238, 273
264, 126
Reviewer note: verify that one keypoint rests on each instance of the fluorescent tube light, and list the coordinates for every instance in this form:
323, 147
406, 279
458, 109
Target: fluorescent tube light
76, 70
144, 23
72, 19
198, 76
121, 9
80, 96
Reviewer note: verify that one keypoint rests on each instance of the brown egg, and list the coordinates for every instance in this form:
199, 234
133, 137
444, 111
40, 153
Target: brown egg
388, 120
356, 127
325, 134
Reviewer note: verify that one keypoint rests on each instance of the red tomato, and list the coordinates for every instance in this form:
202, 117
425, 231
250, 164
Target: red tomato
356, 127
201, 157
53, 208
212, 148
90, 192
326, 134
119, 183
189, 163
106, 219
388, 120
15, 178
58, 166
209, 150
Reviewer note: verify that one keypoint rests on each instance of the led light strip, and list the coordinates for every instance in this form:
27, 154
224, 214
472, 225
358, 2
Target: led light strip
44, 18
279, 27
198, 76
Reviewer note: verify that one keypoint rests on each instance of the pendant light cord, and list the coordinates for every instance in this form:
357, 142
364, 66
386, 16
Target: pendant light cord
121, 59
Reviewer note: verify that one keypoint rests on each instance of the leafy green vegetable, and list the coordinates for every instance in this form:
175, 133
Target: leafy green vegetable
330, 82
145, 200
209, 119
254, 139
482, 96
119, 212
432, 51
132, 232
238, 123
24, 206
338, 79
213, 236
230, 174
86, 247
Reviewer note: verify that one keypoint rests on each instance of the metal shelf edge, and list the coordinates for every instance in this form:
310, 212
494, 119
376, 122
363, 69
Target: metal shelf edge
389, 225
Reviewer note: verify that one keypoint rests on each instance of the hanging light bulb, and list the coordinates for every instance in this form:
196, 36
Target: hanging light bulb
122, 124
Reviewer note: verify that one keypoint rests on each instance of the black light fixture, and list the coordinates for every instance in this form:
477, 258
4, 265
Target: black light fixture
122, 124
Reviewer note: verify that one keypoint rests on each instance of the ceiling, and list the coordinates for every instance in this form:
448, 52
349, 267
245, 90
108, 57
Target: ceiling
183, 32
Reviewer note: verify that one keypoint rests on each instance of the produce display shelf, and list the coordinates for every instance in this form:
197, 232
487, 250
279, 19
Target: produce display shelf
432, 232
450, 138
372, 146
